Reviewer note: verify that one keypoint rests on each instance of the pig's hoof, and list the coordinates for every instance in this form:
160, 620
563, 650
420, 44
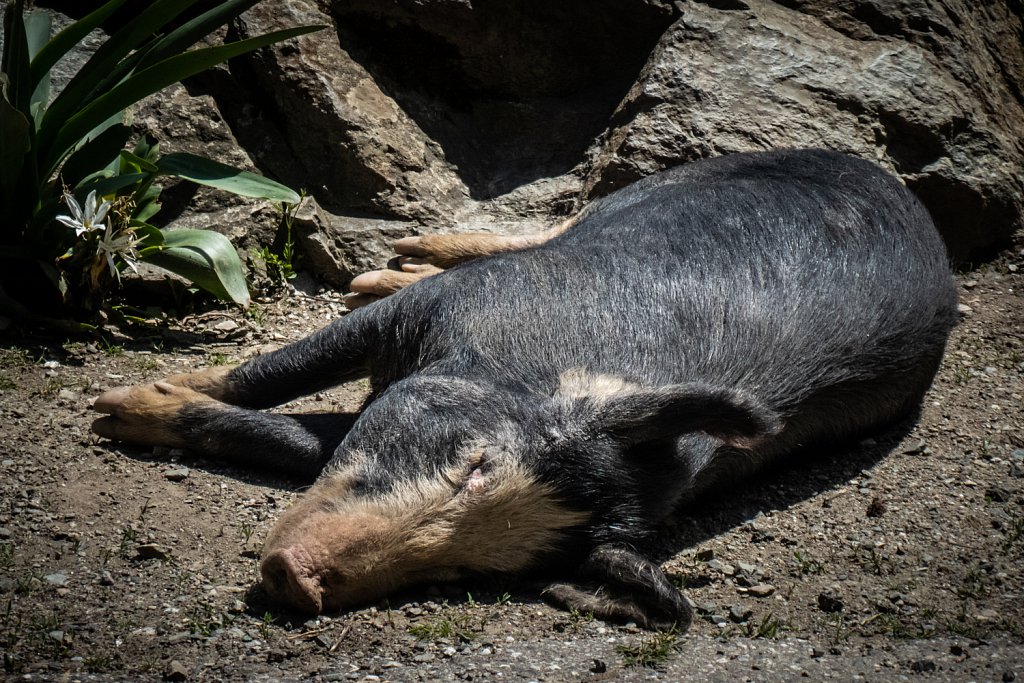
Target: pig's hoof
623, 586
149, 414
381, 283
213, 382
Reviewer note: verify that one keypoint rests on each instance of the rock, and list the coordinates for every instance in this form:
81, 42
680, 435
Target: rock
723, 567
870, 78
56, 636
740, 614
923, 666
705, 555
914, 447
176, 474
106, 579
827, 602
152, 551
176, 671
5, 533
762, 590
56, 579
964, 309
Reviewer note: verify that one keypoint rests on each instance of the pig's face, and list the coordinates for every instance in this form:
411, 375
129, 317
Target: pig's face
342, 545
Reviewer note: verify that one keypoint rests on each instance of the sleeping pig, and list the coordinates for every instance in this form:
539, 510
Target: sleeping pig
548, 401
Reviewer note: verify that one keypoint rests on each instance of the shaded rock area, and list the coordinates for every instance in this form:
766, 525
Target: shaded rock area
504, 116
409, 117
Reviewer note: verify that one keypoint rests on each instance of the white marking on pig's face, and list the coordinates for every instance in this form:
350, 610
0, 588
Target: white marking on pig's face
334, 549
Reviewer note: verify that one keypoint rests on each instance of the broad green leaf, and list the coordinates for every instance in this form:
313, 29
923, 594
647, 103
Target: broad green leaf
152, 236
81, 89
191, 32
15, 58
206, 258
62, 43
137, 163
149, 81
148, 148
37, 31
223, 177
106, 186
15, 142
96, 152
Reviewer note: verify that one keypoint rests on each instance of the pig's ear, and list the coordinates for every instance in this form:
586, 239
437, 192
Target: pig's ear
618, 584
640, 415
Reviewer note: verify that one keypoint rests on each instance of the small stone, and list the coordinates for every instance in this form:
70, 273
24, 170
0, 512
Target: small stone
970, 284
423, 658
226, 326
706, 607
830, 603
876, 508
106, 579
718, 619
5, 533
964, 309
67, 395
747, 568
914, 447
739, 614
705, 555
817, 653
56, 636
176, 474
175, 671
1009, 676
923, 666
56, 579
761, 590
323, 641
598, 667
152, 551
723, 567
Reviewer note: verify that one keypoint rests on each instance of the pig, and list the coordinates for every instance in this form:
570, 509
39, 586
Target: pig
547, 402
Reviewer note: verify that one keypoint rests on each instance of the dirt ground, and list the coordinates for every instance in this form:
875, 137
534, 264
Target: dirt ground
899, 558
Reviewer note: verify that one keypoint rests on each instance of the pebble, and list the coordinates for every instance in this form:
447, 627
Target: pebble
964, 309
739, 614
723, 567
761, 590
152, 551
5, 533
423, 658
176, 474
56, 636
56, 579
914, 447
923, 666
830, 603
67, 395
175, 671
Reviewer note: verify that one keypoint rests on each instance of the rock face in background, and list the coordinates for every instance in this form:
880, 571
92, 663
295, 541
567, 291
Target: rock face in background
413, 116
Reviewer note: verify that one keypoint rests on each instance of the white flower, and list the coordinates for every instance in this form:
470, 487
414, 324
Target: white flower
123, 245
88, 219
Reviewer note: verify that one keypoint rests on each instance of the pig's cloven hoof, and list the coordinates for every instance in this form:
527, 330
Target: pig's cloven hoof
377, 284
146, 414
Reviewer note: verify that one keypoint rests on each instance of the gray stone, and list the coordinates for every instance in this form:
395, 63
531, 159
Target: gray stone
176, 671
762, 590
176, 474
56, 579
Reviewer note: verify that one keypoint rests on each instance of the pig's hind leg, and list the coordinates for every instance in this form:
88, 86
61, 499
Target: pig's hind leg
426, 255
163, 414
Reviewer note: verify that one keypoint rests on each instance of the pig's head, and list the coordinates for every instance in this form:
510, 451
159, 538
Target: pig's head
441, 477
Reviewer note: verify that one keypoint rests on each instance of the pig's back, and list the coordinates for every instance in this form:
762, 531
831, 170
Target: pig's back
782, 273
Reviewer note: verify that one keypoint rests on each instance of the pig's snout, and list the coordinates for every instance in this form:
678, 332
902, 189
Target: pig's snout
289, 579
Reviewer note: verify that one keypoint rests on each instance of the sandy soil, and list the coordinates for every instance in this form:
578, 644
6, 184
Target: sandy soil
902, 556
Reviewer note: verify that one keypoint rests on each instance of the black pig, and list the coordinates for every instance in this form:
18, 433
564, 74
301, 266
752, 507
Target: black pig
555, 403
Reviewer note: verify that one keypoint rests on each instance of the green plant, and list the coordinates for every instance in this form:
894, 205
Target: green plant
69, 155
217, 359
6, 555
806, 564
650, 652
266, 622
769, 627
451, 623
281, 266
246, 530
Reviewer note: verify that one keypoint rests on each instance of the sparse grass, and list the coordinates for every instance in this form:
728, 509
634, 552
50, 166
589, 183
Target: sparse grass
257, 314
266, 621
246, 530
650, 652
807, 565
449, 624
770, 627
204, 619
52, 386
217, 359
974, 583
146, 363
15, 358
503, 599
6, 555
129, 537
111, 349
